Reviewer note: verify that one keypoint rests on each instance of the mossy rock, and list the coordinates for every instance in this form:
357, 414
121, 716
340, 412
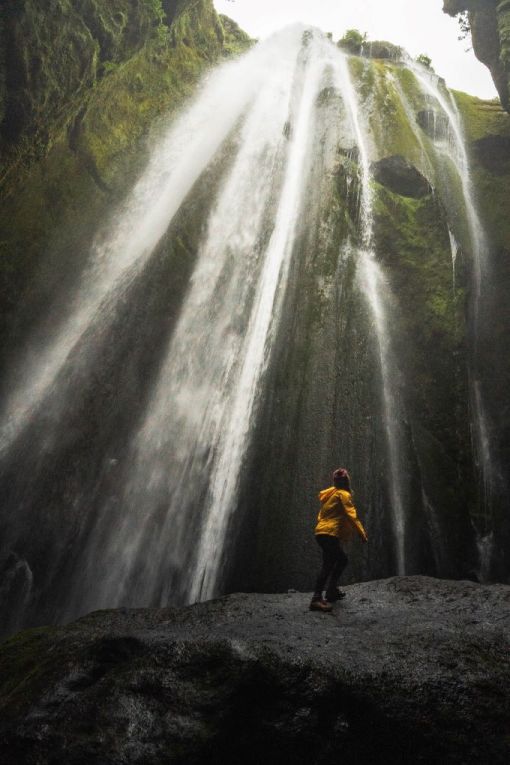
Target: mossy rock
401, 177
53, 57
482, 119
383, 50
56, 185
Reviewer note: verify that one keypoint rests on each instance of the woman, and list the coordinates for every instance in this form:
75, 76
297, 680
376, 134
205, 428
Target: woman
336, 522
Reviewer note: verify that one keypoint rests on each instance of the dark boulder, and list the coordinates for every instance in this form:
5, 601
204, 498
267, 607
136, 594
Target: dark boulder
401, 177
404, 670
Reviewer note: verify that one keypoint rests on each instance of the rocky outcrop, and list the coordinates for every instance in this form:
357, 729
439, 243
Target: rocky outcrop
490, 32
401, 177
404, 670
382, 49
51, 58
356, 45
52, 61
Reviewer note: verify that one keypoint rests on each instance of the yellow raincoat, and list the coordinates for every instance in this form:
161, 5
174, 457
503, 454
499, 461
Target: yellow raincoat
337, 516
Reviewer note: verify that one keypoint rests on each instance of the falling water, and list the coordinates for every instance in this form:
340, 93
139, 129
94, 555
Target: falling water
480, 250
188, 455
264, 317
449, 109
454, 247
176, 163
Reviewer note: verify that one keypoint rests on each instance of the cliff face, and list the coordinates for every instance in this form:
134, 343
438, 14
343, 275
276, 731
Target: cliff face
69, 162
55, 54
490, 31
324, 381
80, 87
54, 57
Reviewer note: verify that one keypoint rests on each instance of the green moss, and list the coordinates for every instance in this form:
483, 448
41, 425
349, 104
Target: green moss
55, 187
393, 130
381, 85
428, 325
235, 39
503, 15
153, 82
363, 73
52, 59
481, 119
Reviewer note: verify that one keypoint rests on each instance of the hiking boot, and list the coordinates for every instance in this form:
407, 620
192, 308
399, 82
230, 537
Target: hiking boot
318, 604
335, 595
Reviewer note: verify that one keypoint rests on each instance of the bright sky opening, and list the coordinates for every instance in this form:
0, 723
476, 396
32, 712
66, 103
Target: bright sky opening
419, 26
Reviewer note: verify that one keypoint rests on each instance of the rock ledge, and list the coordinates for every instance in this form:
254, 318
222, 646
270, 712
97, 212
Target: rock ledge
405, 670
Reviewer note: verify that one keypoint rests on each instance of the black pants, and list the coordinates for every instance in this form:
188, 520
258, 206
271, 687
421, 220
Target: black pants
334, 560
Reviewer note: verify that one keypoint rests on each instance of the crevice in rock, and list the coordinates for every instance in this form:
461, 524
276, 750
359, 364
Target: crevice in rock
85, 158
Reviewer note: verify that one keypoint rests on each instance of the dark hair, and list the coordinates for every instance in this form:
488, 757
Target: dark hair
341, 479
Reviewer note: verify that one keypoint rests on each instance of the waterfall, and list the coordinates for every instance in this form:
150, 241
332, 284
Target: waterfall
121, 250
161, 531
186, 460
264, 318
190, 448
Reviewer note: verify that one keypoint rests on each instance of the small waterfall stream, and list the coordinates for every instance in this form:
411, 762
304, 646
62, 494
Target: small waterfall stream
481, 274
375, 289
449, 110
454, 246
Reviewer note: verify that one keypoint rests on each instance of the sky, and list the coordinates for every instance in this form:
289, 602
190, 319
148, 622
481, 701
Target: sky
420, 26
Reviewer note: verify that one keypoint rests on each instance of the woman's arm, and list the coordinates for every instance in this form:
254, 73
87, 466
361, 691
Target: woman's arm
352, 515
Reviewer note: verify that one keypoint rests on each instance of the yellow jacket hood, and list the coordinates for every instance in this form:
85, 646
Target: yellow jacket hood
325, 494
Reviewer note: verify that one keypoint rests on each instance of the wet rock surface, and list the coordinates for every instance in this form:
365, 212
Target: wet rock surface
404, 670
383, 50
434, 124
401, 177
